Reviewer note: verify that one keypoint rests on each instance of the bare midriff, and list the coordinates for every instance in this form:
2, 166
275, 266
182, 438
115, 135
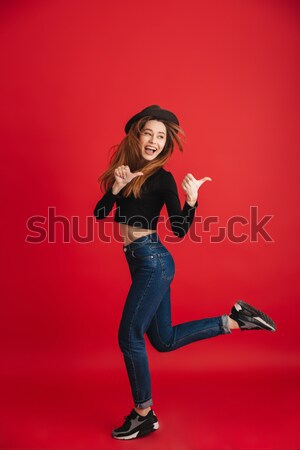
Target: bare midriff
130, 233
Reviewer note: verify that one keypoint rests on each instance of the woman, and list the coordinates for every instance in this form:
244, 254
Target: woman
140, 186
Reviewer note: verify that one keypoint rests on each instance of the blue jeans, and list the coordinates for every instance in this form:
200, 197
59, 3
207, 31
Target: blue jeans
147, 310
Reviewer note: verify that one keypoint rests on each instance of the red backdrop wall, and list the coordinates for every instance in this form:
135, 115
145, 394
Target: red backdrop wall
72, 74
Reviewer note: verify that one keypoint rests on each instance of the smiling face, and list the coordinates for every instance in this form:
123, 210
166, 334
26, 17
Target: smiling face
152, 139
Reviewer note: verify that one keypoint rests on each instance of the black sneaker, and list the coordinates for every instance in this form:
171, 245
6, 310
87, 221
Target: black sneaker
250, 318
136, 425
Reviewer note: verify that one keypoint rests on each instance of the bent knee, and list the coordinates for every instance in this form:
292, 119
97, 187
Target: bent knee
160, 346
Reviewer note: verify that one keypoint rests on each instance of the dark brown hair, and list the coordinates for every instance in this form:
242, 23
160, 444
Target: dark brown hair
128, 152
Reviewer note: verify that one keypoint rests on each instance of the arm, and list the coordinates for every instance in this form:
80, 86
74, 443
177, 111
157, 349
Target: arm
105, 204
123, 176
181, 218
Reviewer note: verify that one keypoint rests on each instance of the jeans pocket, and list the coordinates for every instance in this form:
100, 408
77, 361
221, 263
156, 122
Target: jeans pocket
167, 266
140, 252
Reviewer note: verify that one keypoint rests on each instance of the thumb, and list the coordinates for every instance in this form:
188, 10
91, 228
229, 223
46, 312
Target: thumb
136, 174
205, 179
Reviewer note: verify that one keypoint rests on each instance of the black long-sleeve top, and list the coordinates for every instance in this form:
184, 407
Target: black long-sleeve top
159, 189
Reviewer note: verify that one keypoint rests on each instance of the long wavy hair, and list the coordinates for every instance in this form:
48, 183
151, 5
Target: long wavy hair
128, 153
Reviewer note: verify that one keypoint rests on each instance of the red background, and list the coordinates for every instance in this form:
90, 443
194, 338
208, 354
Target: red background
72, 75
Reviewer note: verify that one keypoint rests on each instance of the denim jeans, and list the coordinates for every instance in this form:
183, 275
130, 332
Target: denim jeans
147, 310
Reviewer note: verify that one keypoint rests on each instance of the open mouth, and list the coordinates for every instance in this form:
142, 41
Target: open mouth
150, 150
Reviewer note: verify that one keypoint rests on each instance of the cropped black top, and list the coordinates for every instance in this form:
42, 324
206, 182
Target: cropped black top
159, 189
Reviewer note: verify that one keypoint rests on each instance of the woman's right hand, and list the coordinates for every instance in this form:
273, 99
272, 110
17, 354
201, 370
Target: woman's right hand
123, 176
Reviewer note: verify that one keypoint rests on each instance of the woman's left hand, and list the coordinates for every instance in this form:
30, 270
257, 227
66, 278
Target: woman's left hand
190, 186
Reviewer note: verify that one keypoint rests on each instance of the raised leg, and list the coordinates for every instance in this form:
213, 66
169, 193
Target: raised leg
165, 337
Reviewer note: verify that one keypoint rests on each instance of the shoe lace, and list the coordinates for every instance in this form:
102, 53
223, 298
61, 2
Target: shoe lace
129, 417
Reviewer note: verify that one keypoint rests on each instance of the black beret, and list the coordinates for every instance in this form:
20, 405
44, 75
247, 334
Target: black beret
154, 111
